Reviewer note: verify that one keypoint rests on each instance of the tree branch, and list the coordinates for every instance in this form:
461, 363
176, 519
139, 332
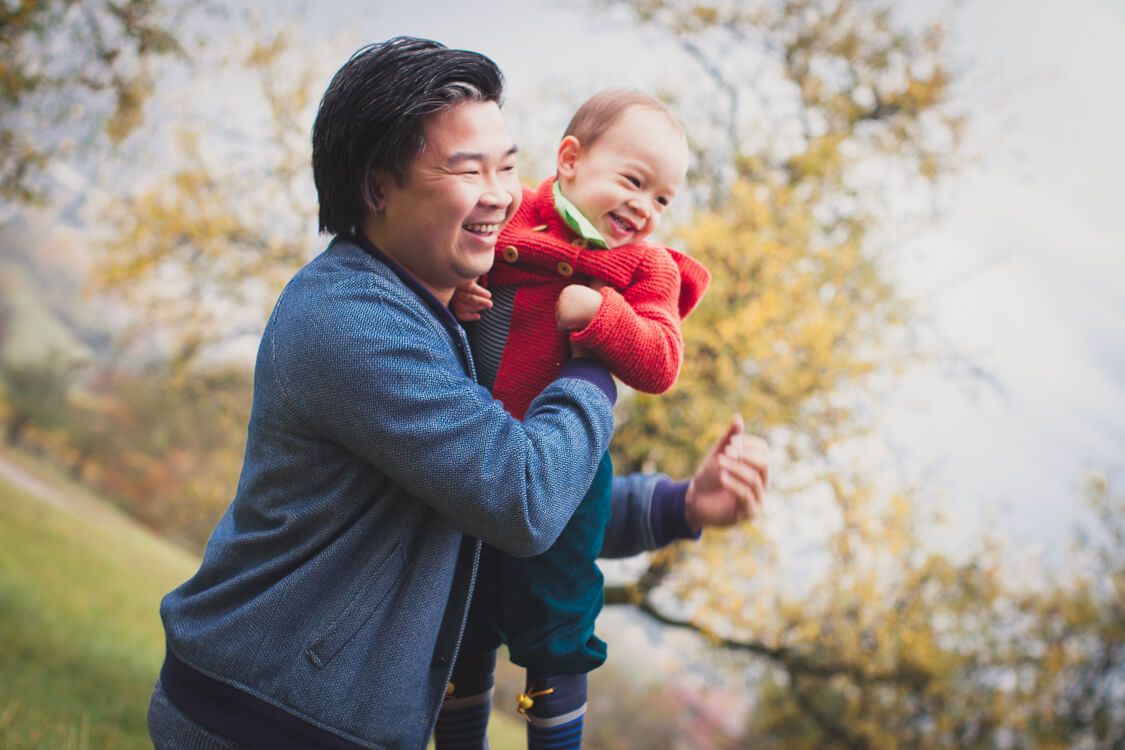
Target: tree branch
793, 661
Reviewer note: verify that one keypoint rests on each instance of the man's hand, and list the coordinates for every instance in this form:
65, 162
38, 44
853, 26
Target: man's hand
469, 300
730, 484
577, 306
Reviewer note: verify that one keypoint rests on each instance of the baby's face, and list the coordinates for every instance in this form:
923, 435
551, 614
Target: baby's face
623, 181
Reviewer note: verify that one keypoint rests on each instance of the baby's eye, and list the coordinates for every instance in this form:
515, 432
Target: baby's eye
634, 180
662, 200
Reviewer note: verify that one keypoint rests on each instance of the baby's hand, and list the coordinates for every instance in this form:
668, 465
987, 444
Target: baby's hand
577, 306
468, 301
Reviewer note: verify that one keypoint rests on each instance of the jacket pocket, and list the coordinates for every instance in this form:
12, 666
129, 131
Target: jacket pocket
375, 586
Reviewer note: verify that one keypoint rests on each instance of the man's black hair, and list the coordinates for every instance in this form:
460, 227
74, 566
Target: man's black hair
372, 116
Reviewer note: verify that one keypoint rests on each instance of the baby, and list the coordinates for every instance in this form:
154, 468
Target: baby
571, 269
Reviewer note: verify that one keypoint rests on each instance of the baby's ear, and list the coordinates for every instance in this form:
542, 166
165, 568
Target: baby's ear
569, 152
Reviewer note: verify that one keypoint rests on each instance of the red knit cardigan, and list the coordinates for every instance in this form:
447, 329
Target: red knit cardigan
636, 331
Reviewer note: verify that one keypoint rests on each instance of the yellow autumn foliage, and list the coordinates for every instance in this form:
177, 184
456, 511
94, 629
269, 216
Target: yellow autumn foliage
890, 643
887, 643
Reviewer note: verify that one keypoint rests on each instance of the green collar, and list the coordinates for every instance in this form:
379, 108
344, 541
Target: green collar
579, 223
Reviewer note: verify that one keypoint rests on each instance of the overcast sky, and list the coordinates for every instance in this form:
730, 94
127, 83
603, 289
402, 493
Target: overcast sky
1024, 273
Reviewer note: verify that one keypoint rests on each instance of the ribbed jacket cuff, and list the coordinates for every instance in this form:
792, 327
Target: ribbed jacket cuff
669, 519
593, 371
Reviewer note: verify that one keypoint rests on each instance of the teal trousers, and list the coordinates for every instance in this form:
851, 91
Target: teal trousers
544, 607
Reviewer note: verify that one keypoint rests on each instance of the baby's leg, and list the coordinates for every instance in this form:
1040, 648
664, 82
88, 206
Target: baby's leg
555, 707
463, 720
551, 602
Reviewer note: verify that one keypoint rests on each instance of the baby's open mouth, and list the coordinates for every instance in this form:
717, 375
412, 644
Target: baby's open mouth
623, 225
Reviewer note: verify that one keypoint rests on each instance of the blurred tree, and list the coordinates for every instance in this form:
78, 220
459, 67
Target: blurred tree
5, 322
160, 428
815, 108
87, 430
199, 268
66, 65
1073, 663
899, 647
165, 447
817, 112
35, 393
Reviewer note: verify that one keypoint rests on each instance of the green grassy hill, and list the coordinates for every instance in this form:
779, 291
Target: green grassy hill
80, 635
79, 629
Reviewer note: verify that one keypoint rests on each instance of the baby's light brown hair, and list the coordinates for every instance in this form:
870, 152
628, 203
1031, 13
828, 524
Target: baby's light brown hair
604, 108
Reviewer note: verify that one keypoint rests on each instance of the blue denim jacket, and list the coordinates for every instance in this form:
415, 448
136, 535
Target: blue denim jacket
335, 586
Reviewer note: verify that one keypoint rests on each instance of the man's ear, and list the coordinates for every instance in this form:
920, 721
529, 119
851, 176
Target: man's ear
569, 152
373, 195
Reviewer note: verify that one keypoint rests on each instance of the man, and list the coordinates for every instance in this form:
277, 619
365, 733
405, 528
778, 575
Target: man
330, 602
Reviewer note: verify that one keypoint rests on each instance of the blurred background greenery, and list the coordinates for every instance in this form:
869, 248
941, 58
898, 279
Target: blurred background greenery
155, 195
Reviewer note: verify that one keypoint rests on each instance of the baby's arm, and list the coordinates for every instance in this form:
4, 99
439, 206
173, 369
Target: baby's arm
469, 300
636, 332
577, 305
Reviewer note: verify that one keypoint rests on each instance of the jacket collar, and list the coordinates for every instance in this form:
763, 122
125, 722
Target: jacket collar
440, 311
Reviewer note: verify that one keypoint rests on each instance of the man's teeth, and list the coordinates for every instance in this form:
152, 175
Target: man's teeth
483, 228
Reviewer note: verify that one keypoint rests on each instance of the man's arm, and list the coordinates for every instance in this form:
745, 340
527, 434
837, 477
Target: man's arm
651, 511
372, 371
648, 513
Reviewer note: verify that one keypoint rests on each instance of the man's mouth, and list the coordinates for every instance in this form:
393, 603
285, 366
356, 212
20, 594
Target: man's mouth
482, 228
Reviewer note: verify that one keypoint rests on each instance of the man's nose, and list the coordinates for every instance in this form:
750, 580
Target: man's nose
496, 193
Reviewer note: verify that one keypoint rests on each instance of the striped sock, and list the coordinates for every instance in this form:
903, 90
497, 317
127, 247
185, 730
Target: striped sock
556, 718
462, 723
566, 736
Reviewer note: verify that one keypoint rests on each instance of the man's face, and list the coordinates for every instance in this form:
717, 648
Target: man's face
624, 180
460, 191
